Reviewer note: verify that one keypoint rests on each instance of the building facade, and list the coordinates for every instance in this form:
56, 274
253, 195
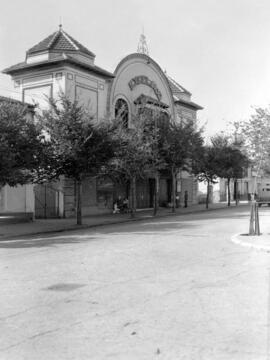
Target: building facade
59, 64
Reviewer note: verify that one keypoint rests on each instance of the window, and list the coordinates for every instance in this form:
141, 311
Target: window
121, 111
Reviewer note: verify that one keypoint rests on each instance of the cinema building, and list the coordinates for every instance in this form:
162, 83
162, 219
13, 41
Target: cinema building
60, 63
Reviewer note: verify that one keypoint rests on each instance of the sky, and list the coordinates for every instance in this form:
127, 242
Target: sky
217, 49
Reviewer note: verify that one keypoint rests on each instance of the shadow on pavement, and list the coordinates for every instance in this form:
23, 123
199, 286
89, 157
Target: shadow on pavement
44, 242
83, 235
147, 226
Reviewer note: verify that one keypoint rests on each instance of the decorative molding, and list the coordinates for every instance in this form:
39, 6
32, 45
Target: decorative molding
142, 79
152, 63
38, 79
58, 76
85, 81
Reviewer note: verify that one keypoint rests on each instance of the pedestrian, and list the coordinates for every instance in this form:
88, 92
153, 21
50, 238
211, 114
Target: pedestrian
186, 198
177, 200
116, 209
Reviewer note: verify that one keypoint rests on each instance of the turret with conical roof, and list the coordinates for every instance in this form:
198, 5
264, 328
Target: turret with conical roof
60, 42
59, 47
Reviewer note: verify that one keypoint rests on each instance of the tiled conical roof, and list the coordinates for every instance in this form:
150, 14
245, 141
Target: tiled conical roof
59, 41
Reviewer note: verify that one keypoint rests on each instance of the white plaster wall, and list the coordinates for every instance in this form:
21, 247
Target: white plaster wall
19, 199
36, 86
63, 79
92, 84
3, 198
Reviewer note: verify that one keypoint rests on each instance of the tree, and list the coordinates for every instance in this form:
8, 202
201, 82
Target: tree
205, 169
229, 161
78, 145
134, 155
21, 143
255, 134
180, 144
154, 122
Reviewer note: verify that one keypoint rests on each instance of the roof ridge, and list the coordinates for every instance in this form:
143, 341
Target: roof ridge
54, 37
81, 46
177, 85
70, 40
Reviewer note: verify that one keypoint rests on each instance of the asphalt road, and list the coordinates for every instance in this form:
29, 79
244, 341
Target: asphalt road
170, 288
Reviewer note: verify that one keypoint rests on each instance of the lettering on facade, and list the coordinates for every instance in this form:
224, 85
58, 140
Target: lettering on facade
137, 80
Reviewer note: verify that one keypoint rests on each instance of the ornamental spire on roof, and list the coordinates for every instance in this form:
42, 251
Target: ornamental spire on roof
142, 45
60, 23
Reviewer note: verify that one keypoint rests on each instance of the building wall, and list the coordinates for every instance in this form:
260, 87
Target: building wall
129, 69
91, 91
36, 86
184, 113
17, 199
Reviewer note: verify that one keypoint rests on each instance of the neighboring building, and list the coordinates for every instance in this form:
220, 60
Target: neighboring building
18, 199
60, 63
250, 183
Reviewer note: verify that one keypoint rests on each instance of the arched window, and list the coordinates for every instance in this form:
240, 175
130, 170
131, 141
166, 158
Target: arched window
121, 111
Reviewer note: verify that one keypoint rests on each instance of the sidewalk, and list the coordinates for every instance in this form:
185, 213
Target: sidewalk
42, 226
258, 242
261, 243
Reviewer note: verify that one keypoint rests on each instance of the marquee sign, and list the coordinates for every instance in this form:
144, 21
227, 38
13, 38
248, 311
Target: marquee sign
137, 80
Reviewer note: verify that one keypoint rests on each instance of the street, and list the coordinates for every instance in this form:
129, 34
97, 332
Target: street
167, 288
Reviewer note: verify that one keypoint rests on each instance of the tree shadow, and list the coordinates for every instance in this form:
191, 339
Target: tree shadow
48, 241
147, 226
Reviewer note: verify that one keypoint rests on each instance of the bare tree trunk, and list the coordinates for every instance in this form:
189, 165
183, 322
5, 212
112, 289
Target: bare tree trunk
229, 192
173, 189
133, 196
156, 195
257, 223
207, 194
236, 192
79, 201
251, 219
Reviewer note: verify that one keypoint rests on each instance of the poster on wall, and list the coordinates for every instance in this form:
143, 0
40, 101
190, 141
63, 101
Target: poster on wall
88, 98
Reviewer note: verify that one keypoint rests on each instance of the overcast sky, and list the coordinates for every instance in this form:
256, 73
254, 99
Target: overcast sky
218, 49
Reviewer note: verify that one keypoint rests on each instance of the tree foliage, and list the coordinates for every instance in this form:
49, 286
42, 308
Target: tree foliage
204, 167
77, 147
229, 161
134, 154
255, 134
21, 144
181, 143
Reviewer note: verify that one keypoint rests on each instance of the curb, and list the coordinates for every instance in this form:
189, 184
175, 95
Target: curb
106, 223
236, 240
